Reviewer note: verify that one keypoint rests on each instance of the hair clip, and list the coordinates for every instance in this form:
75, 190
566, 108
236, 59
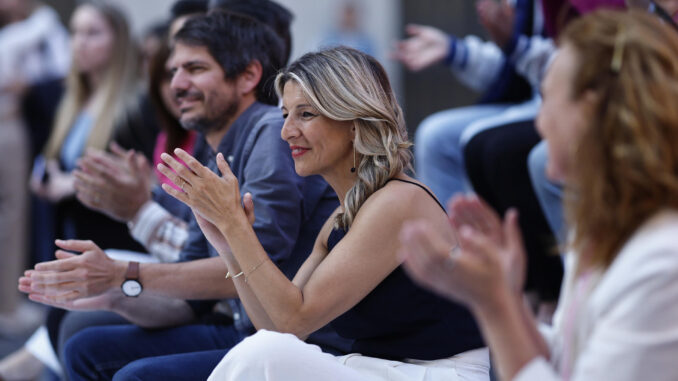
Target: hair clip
618, 54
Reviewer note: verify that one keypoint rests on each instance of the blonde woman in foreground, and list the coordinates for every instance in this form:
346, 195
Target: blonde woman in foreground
342, 122
611, 125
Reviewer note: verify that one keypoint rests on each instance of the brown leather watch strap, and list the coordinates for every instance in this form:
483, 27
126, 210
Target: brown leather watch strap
132, 270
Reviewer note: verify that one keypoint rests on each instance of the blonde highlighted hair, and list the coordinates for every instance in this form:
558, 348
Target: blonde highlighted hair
113, 99
626, 164
344, 84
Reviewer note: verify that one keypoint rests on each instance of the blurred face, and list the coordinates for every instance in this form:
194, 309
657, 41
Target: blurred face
207, 100
320, 146
562, 119
167, 94
92, 40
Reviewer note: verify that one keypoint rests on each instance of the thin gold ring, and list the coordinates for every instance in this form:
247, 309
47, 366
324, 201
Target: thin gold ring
453, 254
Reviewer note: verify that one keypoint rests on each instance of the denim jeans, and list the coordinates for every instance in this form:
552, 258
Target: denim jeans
127, 352
439, 159
549, 194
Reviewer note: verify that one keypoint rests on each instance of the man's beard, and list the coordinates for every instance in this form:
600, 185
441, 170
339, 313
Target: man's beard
206, 123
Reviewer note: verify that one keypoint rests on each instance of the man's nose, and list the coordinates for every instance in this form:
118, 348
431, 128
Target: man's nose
179, 81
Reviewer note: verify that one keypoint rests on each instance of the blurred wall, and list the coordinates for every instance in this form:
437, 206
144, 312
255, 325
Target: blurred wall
378, 19
382, 21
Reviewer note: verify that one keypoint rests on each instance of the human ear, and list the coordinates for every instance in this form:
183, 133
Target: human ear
250, 78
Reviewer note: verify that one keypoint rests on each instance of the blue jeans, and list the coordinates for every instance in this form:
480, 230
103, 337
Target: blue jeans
549, 194
439, 159
127, 352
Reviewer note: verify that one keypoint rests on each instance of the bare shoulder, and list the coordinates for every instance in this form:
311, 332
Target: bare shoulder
401, 199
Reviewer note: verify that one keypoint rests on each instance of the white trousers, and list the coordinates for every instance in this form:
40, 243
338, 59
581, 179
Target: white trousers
273, 356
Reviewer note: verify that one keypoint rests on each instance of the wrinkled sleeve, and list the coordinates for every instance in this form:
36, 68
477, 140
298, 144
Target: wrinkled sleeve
268, 174
636, 333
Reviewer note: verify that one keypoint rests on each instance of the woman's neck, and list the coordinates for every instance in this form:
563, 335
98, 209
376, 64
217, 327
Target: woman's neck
94, 80
341, 184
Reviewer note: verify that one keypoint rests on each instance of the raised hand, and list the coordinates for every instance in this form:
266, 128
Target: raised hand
476, 214
473, 212
490, 256
213, 197
430, 259
59, 186
116, 184
424, 47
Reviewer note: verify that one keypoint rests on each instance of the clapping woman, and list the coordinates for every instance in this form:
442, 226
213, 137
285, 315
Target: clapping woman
100, 105
342, 122
611, 125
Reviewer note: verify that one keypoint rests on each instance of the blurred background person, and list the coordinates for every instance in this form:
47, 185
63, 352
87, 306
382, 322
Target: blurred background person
489, 67
100, 104
34, 50
348, 29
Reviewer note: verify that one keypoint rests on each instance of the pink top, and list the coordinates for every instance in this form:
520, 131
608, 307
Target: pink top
160, 143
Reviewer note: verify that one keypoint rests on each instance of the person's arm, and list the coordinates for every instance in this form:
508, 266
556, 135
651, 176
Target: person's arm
268, 174
319, 293
486, 273
116, 184
474, 62
509, 332
161, 233
58, 187
531, 56
150, 311
474, 276
92, 273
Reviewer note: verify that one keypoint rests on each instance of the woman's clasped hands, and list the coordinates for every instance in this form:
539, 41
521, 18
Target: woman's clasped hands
213, 198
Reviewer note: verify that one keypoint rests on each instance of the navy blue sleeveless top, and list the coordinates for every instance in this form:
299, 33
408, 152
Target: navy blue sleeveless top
399, 319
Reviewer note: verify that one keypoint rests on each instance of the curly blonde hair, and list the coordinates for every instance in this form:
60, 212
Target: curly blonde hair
344, 84
626, 164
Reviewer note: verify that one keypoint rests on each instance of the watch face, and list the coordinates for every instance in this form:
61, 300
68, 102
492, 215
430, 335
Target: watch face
131, 287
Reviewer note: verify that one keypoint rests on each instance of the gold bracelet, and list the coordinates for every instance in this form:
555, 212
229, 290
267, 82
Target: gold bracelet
254, 269
228, 274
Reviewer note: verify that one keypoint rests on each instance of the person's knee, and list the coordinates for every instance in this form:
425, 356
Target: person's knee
435, 129
135, 371
263, 344
262, 350
76, 354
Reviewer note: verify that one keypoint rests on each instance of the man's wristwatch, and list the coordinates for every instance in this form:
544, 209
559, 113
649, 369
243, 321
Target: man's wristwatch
131, 286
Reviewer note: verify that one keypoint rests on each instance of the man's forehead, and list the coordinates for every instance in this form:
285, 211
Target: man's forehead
183, 53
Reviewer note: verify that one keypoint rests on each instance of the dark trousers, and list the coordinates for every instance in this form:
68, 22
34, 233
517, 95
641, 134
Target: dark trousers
127, 352
496, 163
